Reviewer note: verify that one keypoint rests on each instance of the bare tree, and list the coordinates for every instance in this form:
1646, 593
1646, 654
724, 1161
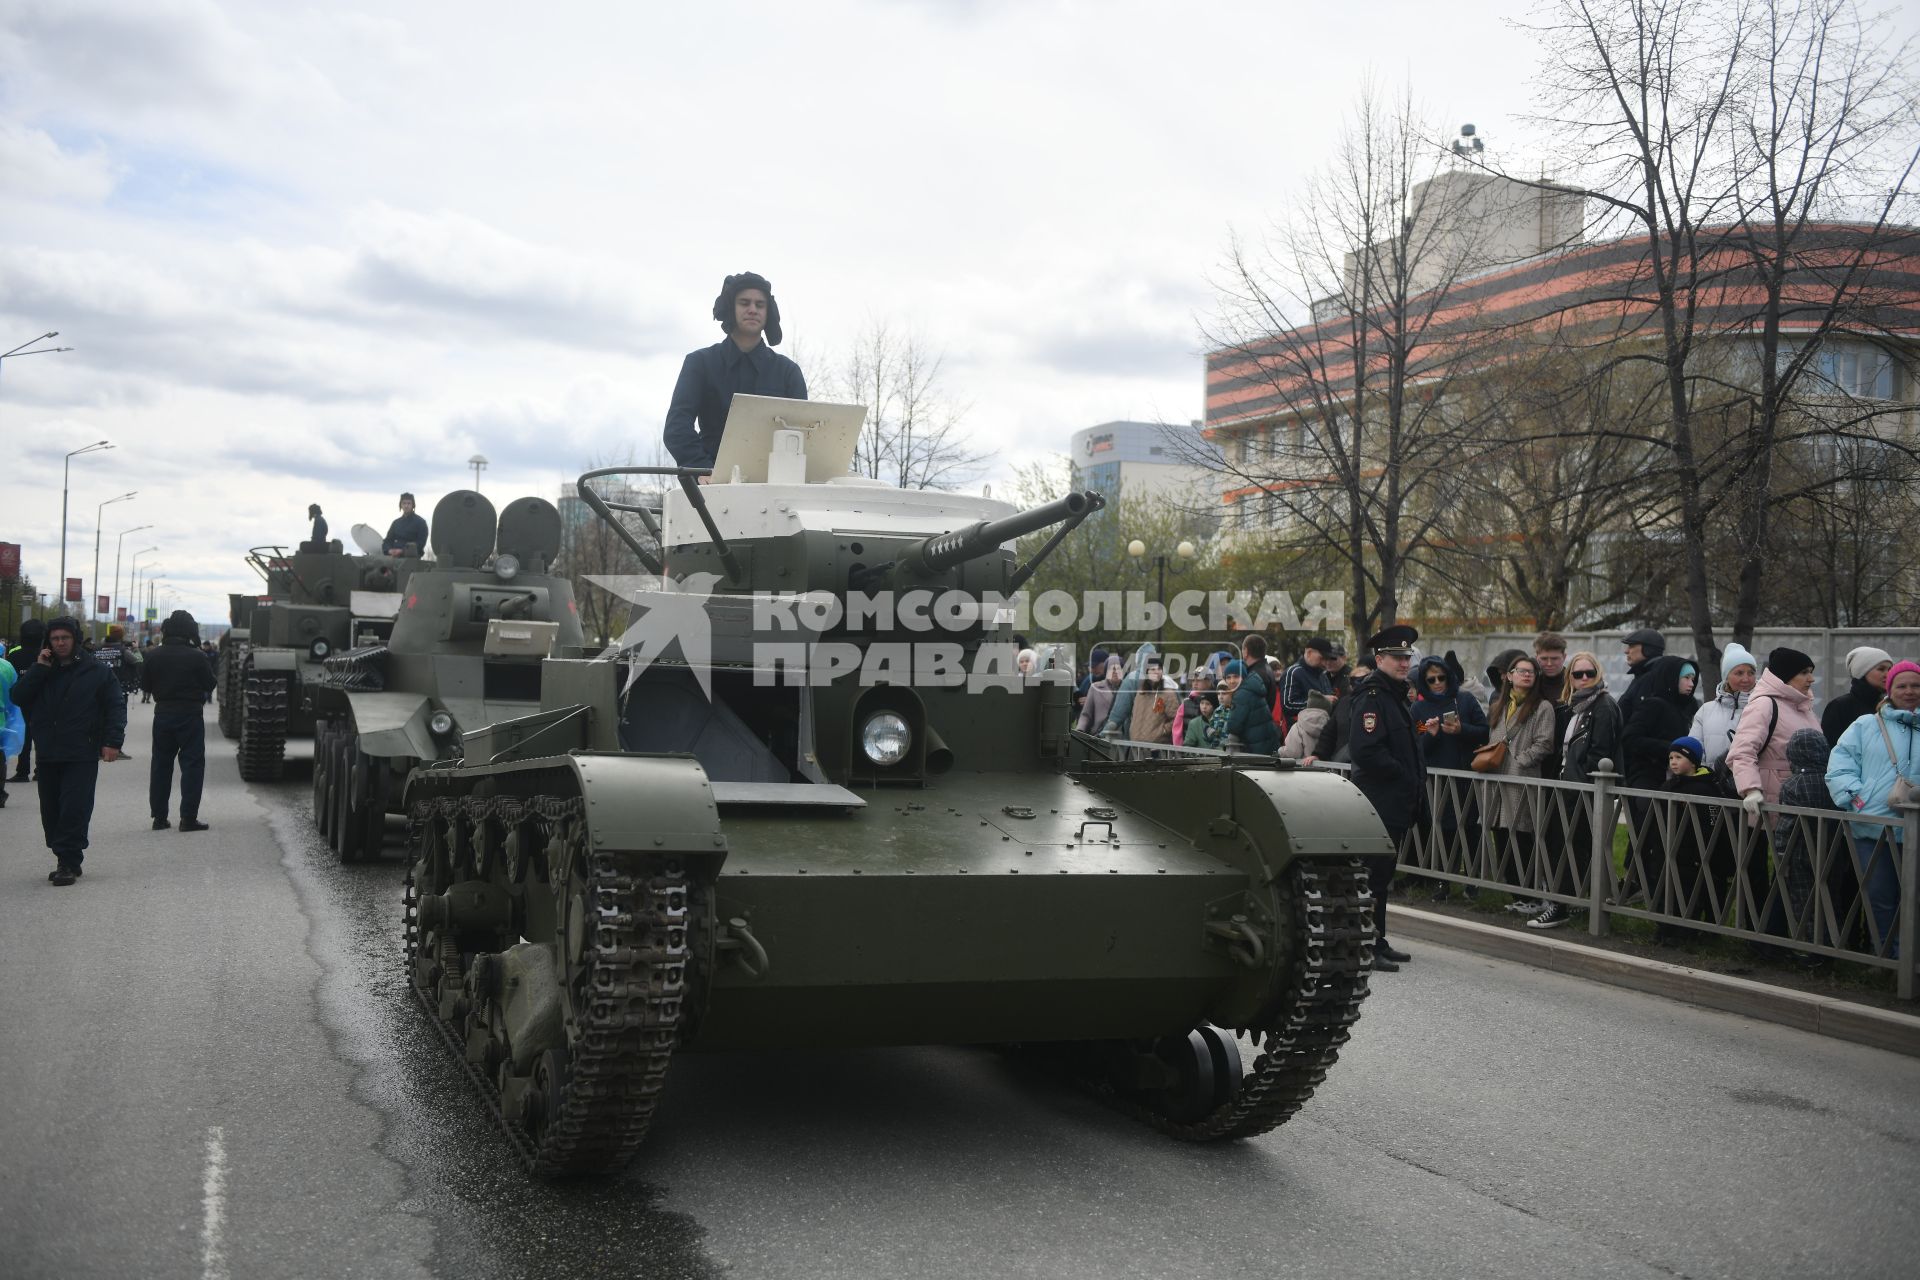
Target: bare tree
912, 437
589, 548
1346, 335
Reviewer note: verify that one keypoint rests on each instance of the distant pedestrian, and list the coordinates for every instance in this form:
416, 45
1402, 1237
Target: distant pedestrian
33, 638
1338, 674
1781, 706
1797, 839
1250, 726
1199, 685
1663, 713
180, 679
1336, 740
1100, 696
1154, 705
13, 724
1305, 676
78, 718
1388, 767
1702, 842
1303, 738
1521, 723
1593, 731
1867, 667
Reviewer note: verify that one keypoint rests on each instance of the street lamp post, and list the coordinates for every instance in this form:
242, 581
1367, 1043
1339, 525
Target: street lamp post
479, 463
1184, 554
134, 591
93, 615
119, 545
65, 469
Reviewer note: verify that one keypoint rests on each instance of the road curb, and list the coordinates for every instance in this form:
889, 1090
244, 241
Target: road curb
1822, 1015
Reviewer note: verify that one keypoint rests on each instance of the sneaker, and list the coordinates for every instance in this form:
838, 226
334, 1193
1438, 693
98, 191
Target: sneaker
1524, 908
192, 824
64, 875
1552, 917
161, 824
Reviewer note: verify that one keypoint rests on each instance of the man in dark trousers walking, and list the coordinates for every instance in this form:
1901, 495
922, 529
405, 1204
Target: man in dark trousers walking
78, 718
1388, 766
180, 678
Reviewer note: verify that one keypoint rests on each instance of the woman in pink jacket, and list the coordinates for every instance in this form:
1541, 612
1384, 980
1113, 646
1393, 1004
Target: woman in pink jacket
1781, 706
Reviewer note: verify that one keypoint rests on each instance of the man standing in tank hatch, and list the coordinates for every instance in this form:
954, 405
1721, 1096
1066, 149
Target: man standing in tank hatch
407, 528
1389, 767
743, 361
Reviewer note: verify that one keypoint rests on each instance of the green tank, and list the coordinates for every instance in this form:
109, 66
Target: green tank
647, 867
463, 650
317, 601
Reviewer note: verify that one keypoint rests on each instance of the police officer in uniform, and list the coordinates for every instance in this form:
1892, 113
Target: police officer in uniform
1388, 766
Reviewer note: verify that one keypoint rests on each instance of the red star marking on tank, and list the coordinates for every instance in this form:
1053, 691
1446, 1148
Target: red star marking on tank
413, 600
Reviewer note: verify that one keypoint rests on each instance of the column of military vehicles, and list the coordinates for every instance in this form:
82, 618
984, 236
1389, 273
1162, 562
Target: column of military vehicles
721, 834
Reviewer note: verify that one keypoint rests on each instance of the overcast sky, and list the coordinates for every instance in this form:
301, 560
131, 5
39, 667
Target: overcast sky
311, 253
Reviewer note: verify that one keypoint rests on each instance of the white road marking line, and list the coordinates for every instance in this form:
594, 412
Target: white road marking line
213, 1215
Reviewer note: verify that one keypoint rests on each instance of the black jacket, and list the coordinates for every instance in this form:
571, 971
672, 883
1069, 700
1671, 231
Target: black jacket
409, 526
1388, 765
1596, 737
72, 710
1862, 699
33, 638
1637, 687
178, 676
1662, 714
709, 379
1448, 750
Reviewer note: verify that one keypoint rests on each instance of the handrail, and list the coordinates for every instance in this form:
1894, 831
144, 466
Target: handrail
689, 478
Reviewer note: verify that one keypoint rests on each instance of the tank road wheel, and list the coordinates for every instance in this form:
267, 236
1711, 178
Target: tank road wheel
263, 723
610, 930
360, 813
1195, 1086
340, 830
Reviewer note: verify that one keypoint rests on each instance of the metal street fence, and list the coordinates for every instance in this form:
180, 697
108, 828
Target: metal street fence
1816, 881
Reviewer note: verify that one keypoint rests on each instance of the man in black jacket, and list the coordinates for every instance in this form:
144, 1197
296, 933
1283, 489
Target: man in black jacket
1644, 648
742, 362
1389, 767
407, 535
78, 717
180, 678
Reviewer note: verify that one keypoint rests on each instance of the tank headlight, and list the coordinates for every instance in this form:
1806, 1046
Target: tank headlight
506, 567
441, 723
885, 738
319, 648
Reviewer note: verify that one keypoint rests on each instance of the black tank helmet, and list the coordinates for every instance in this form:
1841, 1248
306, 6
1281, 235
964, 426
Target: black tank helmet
723, 305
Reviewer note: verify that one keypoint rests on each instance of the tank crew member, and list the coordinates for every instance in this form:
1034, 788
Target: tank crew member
318, 539
407, 533
1388, 766
78, 718
742, 362
180, 679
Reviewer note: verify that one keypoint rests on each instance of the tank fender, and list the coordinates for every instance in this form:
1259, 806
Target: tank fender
393, 724
275, 659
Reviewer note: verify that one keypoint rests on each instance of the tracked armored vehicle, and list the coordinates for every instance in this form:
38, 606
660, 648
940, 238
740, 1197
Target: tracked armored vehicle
774, 824
318, 601
463, 650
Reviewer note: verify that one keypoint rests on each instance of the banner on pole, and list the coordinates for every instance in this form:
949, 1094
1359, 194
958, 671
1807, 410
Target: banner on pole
99, 604
74, 594
9, 561
122, 615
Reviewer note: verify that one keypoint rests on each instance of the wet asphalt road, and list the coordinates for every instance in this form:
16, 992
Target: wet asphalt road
213, 1069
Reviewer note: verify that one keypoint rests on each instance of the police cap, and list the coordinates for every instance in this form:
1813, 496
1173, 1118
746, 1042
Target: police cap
1396, 640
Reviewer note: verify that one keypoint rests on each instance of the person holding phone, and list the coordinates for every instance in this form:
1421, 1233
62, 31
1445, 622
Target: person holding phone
78, 718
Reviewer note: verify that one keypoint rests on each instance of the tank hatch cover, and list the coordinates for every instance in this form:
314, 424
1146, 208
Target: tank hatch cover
463, 528
530, 532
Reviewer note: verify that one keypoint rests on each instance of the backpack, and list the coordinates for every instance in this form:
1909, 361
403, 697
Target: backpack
1723, 771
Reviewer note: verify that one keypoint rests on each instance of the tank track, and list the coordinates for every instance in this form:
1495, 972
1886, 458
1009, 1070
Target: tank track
1300, 1037
229, 692
362, 668
637, 977
263, 725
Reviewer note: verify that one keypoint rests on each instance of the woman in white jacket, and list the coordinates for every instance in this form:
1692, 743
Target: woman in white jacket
1717, 718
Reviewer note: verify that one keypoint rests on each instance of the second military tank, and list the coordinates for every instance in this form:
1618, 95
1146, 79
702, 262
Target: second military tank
762, 822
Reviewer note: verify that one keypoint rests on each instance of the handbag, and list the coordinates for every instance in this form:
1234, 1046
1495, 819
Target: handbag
1489, 758
1904, 791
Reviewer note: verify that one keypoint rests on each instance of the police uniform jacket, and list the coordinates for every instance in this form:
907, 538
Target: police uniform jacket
1388, 765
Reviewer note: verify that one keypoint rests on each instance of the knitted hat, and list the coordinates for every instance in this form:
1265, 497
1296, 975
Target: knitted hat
1864, 659
1901, 668
1235, 668
1736, 655
180, 623
1690, 747
1807, 751
1787, 663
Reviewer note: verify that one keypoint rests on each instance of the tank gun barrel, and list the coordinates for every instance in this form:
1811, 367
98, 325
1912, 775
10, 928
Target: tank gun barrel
943, 551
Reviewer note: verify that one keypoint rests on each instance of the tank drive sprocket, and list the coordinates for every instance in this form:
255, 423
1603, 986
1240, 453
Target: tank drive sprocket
623, 925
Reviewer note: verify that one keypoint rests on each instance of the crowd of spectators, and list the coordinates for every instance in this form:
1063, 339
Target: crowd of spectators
1548, 714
